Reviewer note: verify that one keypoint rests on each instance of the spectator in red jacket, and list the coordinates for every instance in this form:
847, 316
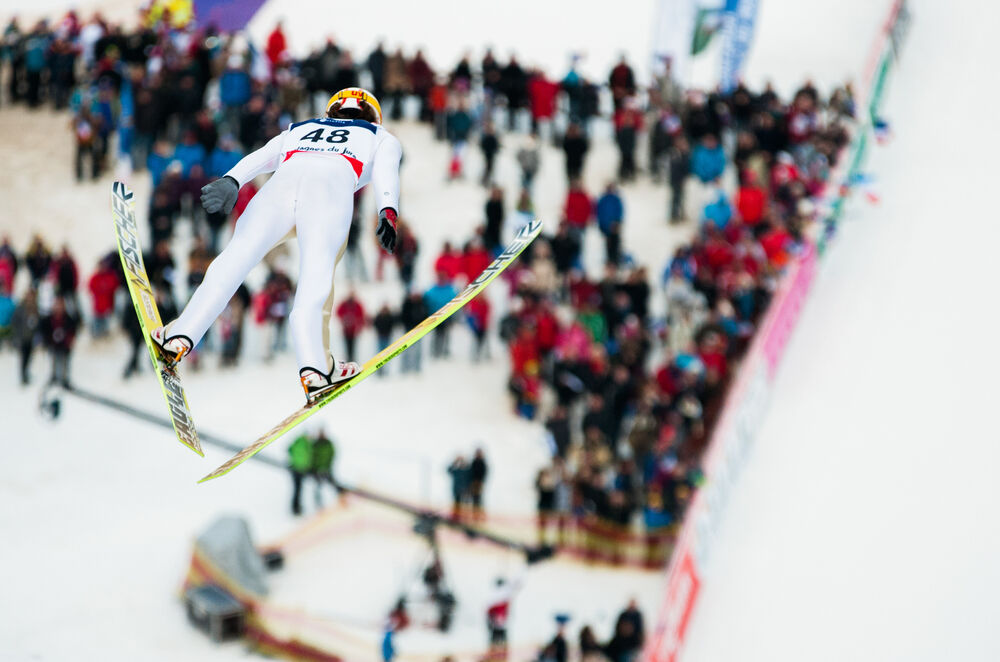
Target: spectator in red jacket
475, 259
751, 199
437, 98
276, 45
718, 253
784, 173
776, 243
8, 267
579, 207
542, 318
478, 316
449, 262
421, 81
243, 199
524, 349
542, 93
622, 82
102, 285
712, 352
272, 306
628, 124
352, 318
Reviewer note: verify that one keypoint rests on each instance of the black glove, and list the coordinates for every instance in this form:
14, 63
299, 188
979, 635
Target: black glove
220, 195
386, 231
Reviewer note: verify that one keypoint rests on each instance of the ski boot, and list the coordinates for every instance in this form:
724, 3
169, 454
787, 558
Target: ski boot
171, 349
317, 384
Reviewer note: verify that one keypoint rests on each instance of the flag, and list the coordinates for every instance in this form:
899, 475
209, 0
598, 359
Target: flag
226, 15
882, 131
865, 183
707, 23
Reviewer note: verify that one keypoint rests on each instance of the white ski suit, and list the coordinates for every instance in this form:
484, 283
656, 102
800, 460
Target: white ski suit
318, 164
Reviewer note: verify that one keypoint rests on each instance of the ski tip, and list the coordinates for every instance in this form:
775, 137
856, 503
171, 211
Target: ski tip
531, 227
219, 471
205, 479
121, 189
191, 440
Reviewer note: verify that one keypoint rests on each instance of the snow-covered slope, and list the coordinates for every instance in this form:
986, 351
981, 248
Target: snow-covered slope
864, 525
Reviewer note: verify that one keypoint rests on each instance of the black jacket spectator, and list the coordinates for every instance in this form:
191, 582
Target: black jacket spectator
494, 219
413, 311
558, 426
376, 67
384, 322
565, 249
575, 144
38, 260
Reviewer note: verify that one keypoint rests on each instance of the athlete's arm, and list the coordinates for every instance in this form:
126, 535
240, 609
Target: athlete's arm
385, 172
385, 185
265, 159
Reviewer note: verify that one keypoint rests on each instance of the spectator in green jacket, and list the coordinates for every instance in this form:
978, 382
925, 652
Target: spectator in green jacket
323, 454
300, 462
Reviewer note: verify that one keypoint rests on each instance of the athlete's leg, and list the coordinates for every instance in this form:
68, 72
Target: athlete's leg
328, 306
265, 221
322, 220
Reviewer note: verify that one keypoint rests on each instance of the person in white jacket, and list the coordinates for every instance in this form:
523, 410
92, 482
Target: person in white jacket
318, 165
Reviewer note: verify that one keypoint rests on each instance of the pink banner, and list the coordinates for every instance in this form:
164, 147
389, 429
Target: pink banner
785, 309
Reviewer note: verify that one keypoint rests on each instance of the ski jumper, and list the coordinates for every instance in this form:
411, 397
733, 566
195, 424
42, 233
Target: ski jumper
318, 165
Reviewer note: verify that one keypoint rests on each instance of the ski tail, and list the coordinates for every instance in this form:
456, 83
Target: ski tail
524, 237
144, 300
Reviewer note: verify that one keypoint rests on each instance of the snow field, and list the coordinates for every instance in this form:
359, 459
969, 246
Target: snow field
861, 527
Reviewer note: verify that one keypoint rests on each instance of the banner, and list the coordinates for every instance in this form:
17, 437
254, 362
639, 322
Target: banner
226, 15
673, 35
738, 21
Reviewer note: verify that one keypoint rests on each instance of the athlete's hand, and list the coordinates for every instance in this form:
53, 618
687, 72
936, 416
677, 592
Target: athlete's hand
220, 195
386, 231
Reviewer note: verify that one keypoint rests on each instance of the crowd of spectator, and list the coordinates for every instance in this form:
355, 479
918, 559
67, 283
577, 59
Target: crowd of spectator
625, 644
628, 399
27, 323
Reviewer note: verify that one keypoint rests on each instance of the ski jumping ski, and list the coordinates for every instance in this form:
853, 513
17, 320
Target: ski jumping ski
139, 288
524, 237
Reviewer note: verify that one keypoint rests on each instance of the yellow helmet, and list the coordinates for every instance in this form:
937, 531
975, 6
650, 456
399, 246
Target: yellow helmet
351, 97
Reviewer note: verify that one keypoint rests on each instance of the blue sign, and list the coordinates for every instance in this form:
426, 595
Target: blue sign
738, 21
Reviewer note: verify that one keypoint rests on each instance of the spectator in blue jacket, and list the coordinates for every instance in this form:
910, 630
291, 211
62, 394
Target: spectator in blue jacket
189, 152
225, 155
234, 90
434, 298
159, 160
610, 212
708, 161
718, 212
